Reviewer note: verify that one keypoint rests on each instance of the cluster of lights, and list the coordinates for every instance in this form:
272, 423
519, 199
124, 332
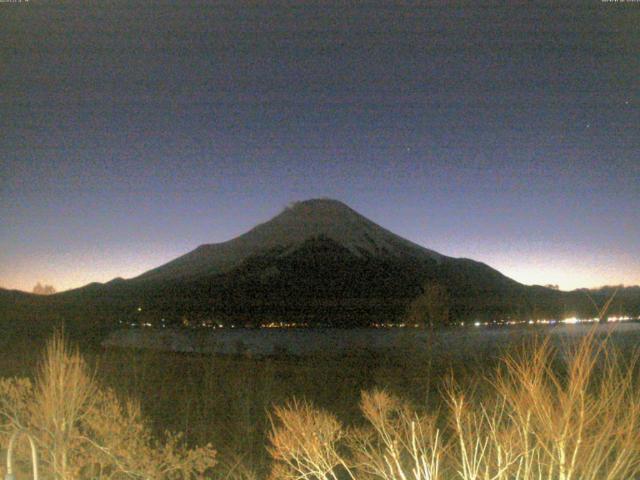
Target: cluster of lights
569, 321
394, 325
544, 321
203, 324
284, 325
574, 320
138, 324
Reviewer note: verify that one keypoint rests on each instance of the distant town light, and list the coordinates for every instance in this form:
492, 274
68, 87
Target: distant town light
571, 320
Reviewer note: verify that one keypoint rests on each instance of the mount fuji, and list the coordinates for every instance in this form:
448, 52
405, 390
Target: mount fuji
318, 262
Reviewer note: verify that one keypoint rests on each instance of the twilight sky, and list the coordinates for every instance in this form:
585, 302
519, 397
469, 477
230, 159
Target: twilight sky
130, 134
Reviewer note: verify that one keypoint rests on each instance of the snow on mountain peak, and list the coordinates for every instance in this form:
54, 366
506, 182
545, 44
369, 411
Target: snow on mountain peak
298, 223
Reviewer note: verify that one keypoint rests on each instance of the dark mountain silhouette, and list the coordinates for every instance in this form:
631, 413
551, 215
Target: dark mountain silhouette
299, 223
318, 262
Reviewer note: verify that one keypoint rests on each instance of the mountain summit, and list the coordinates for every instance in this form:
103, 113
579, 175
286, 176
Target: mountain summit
298, 223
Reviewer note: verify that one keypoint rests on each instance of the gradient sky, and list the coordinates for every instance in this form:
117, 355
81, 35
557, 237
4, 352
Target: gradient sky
130, 134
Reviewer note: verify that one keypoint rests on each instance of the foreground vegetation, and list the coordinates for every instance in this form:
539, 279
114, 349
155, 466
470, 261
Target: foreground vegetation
534, 412
83, 430
539, 421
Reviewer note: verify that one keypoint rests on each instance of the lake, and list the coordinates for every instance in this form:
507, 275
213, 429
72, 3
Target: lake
456, 341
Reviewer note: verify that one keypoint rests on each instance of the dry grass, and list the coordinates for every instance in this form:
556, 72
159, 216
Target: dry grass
84, 431
566, 415
305, 442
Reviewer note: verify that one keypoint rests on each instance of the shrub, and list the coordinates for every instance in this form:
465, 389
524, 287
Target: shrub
395, 444
573, 414
84, 431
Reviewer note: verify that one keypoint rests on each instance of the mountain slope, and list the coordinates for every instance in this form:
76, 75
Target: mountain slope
300, 222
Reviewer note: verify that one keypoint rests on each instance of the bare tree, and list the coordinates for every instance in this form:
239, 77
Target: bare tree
40, 289
431, 307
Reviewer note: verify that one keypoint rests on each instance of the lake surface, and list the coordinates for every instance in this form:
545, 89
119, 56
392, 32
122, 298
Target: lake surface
458, 341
